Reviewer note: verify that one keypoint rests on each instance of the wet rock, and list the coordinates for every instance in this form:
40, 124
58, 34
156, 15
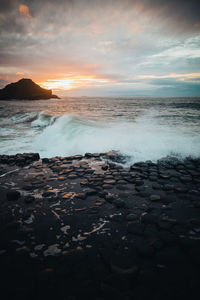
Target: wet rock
45, 160
104, 167
13, 195
121, 182
78, 157
156, 186
118, 218
84, 183
144, 249
168, 187
139, 182
107, 186
148, 218
102, 193
109, 181
131, 217
13, 225
46, 275
67, 196
132, 271
156, 243
180, 190
122, 187
153, 178
135, 228
195, 222
185, 179
119, 203
90, 192
164, 176
109, 198
72, 176
167, 237
49, 193
154, 198
29, 199
81, 196
150, 230
165, 224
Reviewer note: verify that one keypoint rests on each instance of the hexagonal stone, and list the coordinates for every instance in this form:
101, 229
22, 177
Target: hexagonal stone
147, 218
72, 176
144, 249
81, 196
154, 198
109, 198
29, 199
135, 228
109, 181
13, 195
119, 203
131, 217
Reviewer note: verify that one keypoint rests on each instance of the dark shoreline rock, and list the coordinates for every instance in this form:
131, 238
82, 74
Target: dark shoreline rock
72, 229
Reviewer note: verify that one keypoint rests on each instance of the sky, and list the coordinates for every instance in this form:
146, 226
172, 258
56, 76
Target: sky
102, 47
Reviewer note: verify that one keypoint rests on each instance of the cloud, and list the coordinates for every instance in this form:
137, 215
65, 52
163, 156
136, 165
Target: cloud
20, 73
115, 39
24, 10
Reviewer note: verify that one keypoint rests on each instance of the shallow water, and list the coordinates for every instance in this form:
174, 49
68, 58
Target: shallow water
142, 128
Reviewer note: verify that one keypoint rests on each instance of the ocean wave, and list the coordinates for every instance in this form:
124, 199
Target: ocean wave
43, 120
24, 117
143, 139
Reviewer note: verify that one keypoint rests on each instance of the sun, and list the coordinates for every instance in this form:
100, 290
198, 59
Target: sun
72, 82
58, 84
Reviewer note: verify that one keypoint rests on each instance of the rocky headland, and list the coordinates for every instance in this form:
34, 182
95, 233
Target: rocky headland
85, 227
25, 89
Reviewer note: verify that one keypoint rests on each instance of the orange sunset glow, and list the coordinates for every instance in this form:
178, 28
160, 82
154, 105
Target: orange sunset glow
73, 82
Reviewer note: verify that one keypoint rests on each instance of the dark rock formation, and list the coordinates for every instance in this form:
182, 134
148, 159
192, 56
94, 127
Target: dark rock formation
25, 89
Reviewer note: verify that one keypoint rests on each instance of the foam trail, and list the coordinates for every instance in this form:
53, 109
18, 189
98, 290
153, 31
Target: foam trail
24, 117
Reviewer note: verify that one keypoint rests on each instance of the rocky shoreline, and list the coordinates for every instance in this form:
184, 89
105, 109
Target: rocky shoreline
85, 227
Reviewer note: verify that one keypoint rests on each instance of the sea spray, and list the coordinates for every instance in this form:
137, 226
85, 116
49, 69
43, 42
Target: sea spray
143, 139
43, 120
140, 128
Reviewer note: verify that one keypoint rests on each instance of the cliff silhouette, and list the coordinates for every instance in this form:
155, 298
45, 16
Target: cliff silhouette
25, 89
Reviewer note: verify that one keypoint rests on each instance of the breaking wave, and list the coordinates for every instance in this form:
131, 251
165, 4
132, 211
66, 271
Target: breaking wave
24, 117
141, 139
43, 120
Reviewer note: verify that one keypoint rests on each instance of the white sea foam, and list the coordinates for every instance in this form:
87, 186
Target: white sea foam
24, 117
144, 139
43, 120
144, 129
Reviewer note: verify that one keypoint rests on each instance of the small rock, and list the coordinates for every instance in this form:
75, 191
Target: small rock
90, 192
154, 198
81, 196
147, 218
46, 274
119, 203
144, 249
13, 195
135, 228
29, 199
109, 198
139, 182
131, 217
72, 176
118, 218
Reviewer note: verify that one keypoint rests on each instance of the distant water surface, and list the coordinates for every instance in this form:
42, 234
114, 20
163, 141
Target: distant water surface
141, 128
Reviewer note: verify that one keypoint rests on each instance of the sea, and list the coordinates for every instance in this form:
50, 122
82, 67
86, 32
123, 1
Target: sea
138, 128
